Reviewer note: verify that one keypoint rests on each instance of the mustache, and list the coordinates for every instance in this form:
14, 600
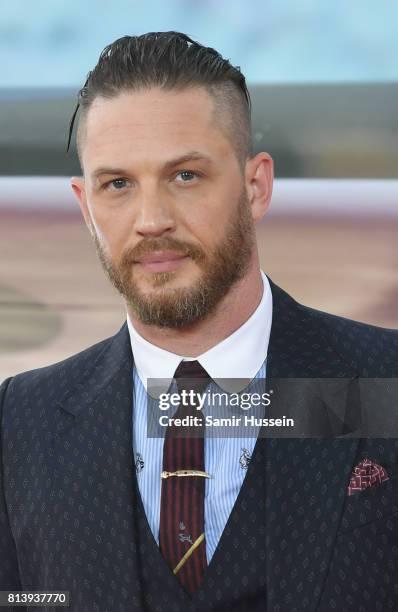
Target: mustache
167, 243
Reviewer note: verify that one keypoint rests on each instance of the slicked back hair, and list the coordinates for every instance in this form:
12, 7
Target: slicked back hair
172, 61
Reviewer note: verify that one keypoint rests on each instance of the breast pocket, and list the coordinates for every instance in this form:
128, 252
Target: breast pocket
377, 502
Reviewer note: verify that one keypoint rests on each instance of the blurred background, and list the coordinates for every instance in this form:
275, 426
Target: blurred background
324, 84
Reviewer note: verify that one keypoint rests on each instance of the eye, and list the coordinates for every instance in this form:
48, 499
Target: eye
187, 176
116, 184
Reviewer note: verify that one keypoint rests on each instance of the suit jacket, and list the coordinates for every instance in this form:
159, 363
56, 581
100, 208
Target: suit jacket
71, 516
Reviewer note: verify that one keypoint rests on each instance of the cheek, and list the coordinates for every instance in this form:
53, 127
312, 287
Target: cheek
114, 234
201, 226
218, 214
113, 224
207, 216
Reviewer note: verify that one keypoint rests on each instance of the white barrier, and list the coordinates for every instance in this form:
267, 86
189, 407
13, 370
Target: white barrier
340, 197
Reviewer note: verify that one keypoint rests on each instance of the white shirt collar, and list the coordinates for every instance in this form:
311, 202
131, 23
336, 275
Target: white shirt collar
240, 355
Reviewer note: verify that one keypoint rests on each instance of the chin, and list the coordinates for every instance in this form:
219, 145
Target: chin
161, 281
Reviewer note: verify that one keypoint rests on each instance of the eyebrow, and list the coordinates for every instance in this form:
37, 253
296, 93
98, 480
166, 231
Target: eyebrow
190, 156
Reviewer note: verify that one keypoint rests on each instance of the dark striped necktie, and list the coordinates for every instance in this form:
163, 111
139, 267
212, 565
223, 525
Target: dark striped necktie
181, 534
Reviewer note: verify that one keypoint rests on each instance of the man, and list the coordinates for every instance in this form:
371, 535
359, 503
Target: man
89, 502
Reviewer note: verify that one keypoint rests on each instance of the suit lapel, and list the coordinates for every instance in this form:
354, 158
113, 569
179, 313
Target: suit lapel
91, 453
306, 478
286, 515
95, 416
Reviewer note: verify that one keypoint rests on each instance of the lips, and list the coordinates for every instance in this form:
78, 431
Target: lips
160, 256
161, 261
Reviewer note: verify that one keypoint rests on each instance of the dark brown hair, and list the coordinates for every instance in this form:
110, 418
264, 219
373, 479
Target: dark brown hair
171, 60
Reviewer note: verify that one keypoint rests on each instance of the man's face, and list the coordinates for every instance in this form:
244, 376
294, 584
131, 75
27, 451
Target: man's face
165, 199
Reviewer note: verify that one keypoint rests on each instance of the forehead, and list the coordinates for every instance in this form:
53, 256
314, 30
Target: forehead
152, 124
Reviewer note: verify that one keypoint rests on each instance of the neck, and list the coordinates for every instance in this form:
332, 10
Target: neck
232, 311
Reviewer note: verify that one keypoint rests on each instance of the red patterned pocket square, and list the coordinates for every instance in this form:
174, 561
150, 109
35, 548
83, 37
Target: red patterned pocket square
366, 474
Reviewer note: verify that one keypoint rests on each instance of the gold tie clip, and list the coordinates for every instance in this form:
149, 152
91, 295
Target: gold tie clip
189, 553
185, 473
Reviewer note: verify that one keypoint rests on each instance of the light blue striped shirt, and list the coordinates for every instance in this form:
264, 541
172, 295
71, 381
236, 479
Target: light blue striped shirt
226, 458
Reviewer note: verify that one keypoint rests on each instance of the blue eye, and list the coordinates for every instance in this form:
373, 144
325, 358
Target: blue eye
187, 175
118, 183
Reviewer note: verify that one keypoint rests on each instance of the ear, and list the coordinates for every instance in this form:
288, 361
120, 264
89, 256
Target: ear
78, 186
259, 181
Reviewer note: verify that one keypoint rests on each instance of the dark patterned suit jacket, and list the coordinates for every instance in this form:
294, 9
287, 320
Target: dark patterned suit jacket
71, 516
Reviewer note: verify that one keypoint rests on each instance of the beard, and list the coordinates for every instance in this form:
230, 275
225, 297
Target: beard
180, 307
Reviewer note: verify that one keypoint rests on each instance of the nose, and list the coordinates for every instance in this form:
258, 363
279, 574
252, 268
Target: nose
155, 214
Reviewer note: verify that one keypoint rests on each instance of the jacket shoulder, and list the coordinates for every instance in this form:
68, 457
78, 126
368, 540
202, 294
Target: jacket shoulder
58, 375
371, 350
